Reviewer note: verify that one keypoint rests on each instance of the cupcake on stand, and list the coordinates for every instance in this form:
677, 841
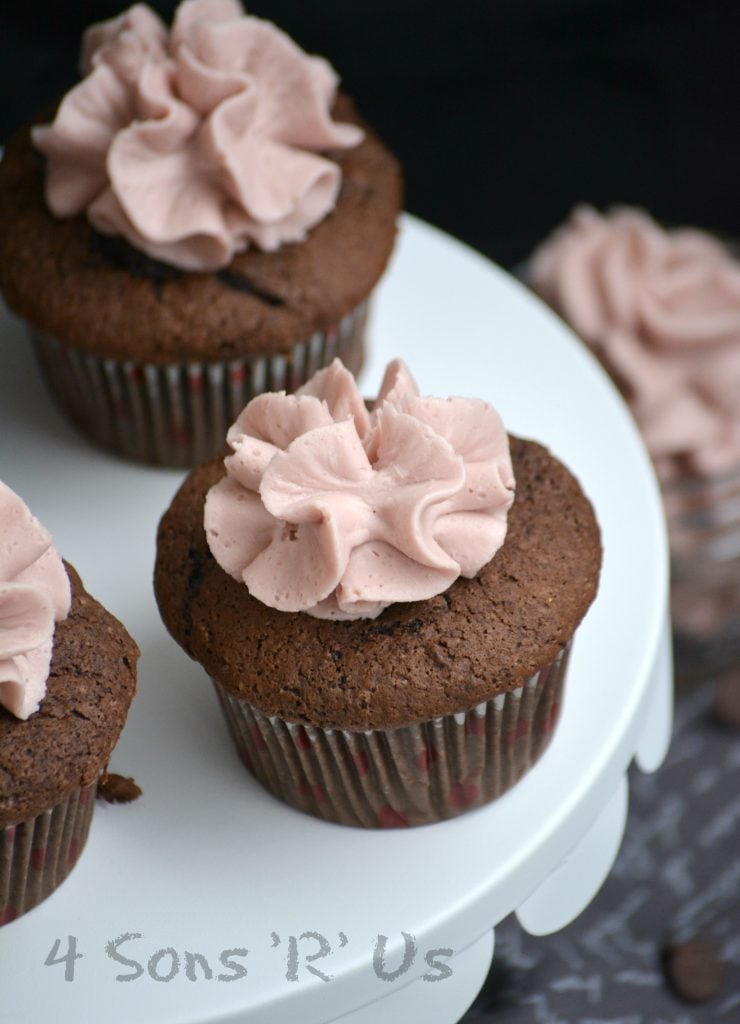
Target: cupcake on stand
204, 217
661, 311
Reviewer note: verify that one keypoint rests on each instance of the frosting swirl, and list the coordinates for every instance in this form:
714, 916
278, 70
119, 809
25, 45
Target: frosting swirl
193, 144
338, 511
661, 309
34, 594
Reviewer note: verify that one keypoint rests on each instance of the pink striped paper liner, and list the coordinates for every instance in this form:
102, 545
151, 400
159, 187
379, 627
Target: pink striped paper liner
408, 776
36, 855
178, 415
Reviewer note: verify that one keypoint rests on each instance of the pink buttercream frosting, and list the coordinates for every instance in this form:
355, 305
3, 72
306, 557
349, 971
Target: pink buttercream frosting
661, 309
195, 143
338, 511
34, 595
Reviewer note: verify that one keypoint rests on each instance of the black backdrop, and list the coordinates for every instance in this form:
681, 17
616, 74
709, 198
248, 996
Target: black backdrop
504, 112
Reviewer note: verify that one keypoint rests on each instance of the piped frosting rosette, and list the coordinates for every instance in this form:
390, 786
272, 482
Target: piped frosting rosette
193, 144
34, 595
339, 511
662, 311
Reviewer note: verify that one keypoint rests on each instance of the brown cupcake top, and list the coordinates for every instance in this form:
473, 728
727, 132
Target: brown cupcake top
64, 745
415, 661
102, 297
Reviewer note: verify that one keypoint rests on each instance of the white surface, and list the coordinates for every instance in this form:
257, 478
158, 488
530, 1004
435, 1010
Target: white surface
657, 714
571, 886
206, 860
574, 882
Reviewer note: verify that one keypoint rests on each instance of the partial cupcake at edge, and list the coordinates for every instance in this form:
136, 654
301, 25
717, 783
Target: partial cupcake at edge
204, 217
660, 308
67, 678
383, 595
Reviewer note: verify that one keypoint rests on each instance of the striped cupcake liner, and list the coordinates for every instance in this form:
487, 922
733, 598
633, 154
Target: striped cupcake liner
414, 775
37, 855
703, 515
178, 415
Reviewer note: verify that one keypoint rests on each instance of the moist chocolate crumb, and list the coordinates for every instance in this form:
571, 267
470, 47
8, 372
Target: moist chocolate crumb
118, 789
693, 970
195, 576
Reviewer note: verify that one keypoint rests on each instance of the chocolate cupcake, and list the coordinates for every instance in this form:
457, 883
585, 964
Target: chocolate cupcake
398, 653
661, 310
206, 218
67, 678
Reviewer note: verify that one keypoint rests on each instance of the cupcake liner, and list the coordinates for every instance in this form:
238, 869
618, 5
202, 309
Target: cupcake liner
178, 415
413, 775
37, 855
703, 517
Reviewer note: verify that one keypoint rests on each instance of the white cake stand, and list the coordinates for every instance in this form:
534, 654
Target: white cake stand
205, 861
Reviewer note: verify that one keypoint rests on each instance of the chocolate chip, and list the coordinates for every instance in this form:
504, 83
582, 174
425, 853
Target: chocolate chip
117, 789
694, 970
727, 699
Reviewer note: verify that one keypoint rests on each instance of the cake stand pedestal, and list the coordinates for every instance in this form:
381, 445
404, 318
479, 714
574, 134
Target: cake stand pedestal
209, 902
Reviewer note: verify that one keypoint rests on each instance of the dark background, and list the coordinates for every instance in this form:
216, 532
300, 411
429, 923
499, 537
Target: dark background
504, 112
